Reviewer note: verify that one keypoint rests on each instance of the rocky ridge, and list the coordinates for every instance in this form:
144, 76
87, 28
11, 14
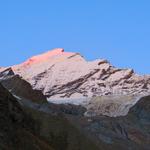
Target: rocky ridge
61, 74
19, 87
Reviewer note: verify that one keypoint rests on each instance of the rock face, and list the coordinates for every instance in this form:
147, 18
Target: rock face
61, 74
132, 130
112, 106
19, 87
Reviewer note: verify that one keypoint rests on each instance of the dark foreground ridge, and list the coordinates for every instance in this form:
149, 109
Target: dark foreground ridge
25, 128
17, 131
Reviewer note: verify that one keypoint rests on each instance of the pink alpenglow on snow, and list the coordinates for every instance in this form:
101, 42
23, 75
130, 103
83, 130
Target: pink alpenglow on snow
46, 56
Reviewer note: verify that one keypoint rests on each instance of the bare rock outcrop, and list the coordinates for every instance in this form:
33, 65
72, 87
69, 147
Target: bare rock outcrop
19, 87
109, 105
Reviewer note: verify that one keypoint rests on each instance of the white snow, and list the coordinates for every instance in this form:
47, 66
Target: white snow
53, 69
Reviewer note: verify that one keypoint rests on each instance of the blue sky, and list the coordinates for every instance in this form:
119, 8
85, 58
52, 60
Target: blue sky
118, 30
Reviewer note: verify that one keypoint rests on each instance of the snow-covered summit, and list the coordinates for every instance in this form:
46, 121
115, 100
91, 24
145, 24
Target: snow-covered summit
47, 56
61, 74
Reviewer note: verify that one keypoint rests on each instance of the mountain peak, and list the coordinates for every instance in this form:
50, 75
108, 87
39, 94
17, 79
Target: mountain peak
62, 74
44, 56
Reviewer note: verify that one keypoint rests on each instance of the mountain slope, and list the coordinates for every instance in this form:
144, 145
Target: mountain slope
19, 87
24, 128
61, 74
17, 129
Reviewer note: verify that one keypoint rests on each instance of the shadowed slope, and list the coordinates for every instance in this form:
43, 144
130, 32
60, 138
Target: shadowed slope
16, 128
19, 87
26, 128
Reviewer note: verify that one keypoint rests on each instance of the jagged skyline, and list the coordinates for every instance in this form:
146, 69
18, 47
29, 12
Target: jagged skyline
65, 74
116, 31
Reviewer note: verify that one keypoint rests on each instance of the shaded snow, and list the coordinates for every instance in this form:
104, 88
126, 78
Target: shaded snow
79, 101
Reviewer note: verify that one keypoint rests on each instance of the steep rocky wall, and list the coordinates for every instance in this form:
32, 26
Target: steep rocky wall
18, 86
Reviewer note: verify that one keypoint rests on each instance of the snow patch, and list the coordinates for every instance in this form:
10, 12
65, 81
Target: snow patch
79, 101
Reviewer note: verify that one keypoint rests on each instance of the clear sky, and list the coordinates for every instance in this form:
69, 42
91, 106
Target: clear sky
118, 30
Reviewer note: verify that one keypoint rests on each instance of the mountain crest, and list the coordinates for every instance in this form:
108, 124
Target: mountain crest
44, 56
61, 74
